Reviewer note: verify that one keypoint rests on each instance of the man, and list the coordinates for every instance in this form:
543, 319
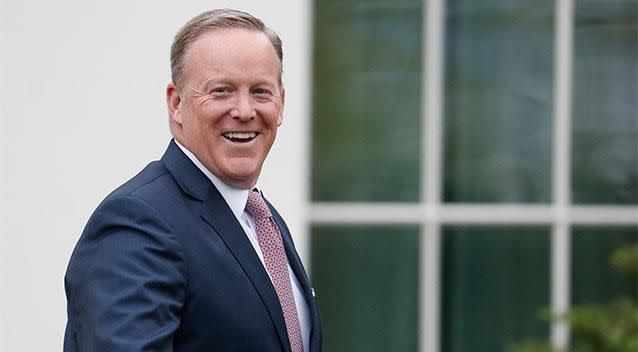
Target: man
187, 255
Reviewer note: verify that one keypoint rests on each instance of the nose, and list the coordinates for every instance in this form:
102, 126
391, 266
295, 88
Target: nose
244, 109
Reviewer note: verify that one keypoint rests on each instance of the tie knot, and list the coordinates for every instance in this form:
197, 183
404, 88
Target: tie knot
256, 206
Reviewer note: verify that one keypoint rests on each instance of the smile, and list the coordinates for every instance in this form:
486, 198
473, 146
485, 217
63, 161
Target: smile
240, 137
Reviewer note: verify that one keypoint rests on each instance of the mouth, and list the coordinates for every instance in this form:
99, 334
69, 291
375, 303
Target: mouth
240, 137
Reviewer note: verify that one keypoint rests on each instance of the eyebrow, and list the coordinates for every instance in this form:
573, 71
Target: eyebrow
220, 80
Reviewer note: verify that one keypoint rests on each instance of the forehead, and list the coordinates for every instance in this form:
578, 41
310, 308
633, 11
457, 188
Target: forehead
233, 51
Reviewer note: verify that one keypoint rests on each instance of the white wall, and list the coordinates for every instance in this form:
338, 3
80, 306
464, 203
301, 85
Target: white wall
82, 110
2, 178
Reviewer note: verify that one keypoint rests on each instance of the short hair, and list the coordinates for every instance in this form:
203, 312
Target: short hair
211, 20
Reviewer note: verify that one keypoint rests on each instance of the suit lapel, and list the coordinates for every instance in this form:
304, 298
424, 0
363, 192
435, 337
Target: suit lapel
218, 215
297, 267
293, 259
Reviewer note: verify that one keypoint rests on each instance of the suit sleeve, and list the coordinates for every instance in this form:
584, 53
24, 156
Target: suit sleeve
126, 281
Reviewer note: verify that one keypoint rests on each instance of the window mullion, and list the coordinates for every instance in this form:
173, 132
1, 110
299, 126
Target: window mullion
431, 170
561, 182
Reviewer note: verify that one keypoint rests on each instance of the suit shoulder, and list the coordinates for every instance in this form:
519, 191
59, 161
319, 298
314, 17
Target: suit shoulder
147, 183
145, 192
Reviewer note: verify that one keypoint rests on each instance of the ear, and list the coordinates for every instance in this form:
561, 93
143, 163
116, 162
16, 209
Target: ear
280, 118
173, 102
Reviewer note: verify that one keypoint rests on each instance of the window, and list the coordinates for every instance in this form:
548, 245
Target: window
469, 166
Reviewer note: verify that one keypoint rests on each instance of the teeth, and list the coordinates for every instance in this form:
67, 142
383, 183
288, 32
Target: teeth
240, 135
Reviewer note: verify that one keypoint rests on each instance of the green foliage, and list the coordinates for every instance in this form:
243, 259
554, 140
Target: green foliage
611, 327
605, 328
625, 260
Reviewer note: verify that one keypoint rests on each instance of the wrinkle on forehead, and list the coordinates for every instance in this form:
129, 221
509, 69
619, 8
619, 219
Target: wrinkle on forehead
223, 53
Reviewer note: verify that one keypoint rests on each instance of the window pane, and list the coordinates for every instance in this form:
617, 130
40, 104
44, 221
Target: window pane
495, 286
366, 279
593, 279
605, 103
366, 104
498, 85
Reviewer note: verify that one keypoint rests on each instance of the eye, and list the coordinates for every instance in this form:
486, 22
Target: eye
261, 91
263, 95
219, 91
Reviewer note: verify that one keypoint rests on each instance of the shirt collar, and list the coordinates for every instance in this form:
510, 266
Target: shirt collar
236, 198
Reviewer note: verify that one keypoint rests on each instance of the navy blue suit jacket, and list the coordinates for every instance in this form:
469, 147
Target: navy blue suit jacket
163, 265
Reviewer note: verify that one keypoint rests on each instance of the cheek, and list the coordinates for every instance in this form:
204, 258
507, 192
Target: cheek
271, 114
208, 118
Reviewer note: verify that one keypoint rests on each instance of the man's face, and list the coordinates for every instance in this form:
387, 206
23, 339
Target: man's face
231, 103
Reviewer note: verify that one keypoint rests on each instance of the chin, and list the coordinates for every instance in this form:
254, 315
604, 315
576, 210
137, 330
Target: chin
245, 176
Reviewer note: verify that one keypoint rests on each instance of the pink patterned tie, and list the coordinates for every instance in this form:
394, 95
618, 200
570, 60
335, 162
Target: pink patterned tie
272, 247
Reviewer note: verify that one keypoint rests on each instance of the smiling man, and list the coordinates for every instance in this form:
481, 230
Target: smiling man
188, 255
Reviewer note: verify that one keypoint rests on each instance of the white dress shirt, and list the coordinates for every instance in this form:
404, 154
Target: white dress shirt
236, 199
